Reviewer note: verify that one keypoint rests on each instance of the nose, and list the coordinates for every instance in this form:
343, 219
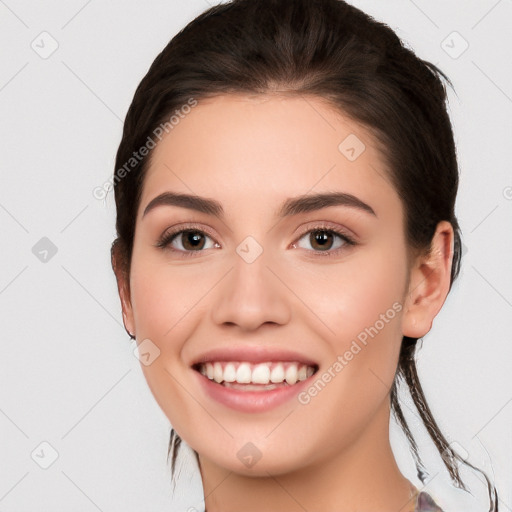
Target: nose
251, 294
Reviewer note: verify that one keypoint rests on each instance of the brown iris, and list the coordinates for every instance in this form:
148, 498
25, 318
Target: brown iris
321, 237
192, 240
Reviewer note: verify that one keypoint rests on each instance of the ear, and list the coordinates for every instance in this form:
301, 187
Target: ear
429, 283
123, 287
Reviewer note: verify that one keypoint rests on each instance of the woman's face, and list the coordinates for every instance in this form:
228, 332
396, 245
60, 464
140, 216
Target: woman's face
272, 276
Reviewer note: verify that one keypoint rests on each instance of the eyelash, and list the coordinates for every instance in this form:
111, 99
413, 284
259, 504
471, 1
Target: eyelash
166, 239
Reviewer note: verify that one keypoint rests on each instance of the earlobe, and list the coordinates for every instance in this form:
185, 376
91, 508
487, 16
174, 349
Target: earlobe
123, 288
429, 283
127, 311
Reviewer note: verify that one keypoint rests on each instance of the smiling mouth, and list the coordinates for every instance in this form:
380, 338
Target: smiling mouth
263, 376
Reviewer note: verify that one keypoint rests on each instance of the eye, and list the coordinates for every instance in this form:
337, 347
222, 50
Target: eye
186, 241
325, 241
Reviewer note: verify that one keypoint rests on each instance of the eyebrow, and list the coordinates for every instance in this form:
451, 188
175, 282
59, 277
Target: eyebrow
292, 206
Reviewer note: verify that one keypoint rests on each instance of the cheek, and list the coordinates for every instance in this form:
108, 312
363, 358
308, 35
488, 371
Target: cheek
360, 306
167, 307
165, 300
364, 291
370, 306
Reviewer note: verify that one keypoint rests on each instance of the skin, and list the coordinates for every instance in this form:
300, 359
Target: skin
251, 154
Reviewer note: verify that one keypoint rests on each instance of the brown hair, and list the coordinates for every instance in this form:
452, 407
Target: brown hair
334, 51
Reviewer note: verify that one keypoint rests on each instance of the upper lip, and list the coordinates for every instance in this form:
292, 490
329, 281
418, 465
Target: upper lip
259, 354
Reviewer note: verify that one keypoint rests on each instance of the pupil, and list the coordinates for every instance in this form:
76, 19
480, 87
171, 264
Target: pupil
194, 237
321, 237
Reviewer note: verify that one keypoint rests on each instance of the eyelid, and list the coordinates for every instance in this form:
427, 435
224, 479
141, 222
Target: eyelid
349, 240
170, 233
327, 226
164, 242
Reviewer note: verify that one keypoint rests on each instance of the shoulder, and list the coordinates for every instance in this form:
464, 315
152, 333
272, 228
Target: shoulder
425, 503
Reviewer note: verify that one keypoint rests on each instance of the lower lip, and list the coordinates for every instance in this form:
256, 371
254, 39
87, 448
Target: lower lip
251, 401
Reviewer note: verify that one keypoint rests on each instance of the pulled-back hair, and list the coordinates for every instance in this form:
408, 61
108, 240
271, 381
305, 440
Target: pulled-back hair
331, 50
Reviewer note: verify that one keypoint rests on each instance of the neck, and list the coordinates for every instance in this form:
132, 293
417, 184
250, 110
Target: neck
362, 477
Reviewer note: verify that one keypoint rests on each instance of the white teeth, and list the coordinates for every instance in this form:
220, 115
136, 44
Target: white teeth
243, 374
262, 373
291, 375
277, 373
230, 373
217, 372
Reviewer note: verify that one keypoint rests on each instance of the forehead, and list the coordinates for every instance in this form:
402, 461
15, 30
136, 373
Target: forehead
241, 147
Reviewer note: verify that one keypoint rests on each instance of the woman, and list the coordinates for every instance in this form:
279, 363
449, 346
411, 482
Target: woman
285, 191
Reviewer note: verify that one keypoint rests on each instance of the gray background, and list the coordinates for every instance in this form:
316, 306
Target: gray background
69, 376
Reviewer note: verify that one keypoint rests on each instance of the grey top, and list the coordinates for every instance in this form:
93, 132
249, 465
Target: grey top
425, 503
